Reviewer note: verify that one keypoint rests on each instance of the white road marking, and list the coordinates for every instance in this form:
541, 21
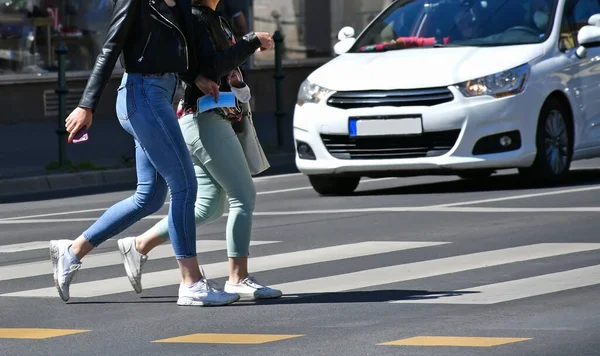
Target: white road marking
583, 209
523, 196
53, 214
431, 268
44, 221
221, 269
517, 289
33, 269
26, 246
166, 203
400, 209
431, 208
366, 180
260, 179
283, 190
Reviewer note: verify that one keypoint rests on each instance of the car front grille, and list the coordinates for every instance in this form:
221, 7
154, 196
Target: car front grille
428, 144
397, 98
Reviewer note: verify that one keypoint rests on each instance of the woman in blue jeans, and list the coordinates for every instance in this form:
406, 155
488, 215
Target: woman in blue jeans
219, 161
160, 45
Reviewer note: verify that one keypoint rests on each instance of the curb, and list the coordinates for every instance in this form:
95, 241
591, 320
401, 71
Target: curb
123, 178
66, 181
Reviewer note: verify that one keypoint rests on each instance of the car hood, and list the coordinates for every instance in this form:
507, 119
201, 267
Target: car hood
419, 67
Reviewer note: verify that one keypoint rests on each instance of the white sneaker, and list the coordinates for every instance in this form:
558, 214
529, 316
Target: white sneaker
204, 294
133, 261
64, 268
250, 289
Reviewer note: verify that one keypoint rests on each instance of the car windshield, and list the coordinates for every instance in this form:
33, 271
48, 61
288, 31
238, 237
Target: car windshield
450, 23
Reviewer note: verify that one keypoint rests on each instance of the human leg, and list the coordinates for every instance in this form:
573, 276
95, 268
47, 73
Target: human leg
144, 110
219, 162
178, 171
209, 206
225, 161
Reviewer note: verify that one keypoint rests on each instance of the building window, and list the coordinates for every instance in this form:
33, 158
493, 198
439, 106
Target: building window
310, 27
30, 31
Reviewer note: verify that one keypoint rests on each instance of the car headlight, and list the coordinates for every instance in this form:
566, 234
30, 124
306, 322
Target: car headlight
312, 93
506, 83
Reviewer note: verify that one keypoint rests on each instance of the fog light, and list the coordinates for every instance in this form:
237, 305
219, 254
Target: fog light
497, 143
505, 141
304, 151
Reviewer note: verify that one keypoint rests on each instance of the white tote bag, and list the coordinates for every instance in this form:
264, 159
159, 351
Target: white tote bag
255, 156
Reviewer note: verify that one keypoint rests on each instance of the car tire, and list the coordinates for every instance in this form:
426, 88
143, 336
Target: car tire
476, 175
332, 185
554, 144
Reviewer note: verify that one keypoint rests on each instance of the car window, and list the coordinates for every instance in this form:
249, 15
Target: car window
439, 23
576, 15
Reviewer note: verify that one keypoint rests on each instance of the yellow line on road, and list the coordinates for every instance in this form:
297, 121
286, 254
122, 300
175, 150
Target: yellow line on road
454, 341
32, 333
228, 338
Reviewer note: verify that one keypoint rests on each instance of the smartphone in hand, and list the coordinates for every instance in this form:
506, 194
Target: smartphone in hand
81, 136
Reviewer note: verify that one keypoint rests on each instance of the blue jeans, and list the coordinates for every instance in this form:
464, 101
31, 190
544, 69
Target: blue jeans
144, 109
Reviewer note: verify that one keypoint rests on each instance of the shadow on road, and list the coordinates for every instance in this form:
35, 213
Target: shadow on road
377, 296
582, 177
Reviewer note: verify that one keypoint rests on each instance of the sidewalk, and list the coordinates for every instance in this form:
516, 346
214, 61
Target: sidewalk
29, 154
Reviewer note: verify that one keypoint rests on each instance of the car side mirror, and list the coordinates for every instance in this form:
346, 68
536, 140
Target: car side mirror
346, 40
343, 46
345, 33
594, 20
588, 37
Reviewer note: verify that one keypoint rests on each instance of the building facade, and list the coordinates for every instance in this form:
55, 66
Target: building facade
30, 31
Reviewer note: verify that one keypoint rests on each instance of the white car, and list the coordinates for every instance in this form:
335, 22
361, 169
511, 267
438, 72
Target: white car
464, 87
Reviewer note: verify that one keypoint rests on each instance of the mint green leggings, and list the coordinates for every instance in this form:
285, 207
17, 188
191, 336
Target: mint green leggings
221, 171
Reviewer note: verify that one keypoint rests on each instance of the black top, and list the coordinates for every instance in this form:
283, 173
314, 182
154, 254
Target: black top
229, 8
178, 14
221, 54
145, 44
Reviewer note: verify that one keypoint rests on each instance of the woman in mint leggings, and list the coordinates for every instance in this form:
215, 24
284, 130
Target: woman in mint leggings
219, 162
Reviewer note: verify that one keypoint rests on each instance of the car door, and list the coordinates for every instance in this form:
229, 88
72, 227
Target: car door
585, 74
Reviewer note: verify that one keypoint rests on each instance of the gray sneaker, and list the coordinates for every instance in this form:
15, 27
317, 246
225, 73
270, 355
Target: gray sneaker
133, 261
65, 270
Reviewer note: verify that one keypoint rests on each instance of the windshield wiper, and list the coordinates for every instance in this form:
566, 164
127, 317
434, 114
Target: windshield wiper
441, 45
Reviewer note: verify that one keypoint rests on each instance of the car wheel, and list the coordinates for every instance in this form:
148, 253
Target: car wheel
554, 144
478, 174
332, 185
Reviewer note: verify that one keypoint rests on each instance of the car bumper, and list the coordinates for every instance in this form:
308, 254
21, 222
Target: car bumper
463, 123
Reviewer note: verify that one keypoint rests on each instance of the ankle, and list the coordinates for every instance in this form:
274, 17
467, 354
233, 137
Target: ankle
237, 279
72, 255
188, 284
140, 247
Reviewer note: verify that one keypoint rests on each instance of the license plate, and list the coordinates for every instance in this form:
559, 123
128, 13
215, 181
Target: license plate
385, 126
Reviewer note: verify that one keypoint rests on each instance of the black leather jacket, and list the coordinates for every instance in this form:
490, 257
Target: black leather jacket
150, 38
217, 56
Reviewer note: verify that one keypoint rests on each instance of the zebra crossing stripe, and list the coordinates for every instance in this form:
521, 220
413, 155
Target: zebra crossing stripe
22, 247
221, 269
432, 268
96, 260
518, 289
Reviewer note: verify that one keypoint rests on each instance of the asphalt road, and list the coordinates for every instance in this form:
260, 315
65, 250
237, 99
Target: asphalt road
411, 266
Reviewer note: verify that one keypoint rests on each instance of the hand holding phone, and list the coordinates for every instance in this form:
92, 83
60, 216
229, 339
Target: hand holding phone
81, 136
